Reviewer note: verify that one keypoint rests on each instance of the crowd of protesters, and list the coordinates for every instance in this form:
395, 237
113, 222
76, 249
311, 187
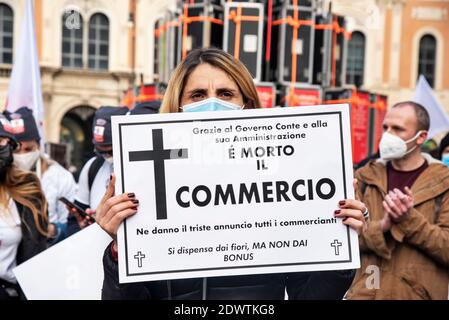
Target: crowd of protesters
404, 244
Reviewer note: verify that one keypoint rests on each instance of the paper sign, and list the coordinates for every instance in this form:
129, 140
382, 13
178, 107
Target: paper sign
70, 270
234, 192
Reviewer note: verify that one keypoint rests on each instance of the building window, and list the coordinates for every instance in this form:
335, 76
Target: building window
6, 34
98, 42
355, 66
427, 58
72, 39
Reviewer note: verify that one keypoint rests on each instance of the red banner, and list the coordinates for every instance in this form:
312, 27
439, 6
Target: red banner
267, 95
381, 110
360, 126
149, 92
303, 97
144, 93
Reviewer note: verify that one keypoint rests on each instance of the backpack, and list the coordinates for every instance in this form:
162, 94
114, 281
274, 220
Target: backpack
93, 170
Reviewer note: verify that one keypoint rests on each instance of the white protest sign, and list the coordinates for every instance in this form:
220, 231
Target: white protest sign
70, 270
234, 192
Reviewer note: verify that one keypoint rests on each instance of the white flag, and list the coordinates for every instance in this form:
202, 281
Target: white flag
439, 121
25, 83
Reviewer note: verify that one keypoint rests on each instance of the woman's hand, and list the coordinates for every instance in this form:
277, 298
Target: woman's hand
86, 221
82, 222
352, 212
51, 231
112, 209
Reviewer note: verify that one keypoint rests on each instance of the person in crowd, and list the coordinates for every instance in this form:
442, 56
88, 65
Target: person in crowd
405, 248
23, 215
443, 150
56, 181
211, 79
147, 107
95, 175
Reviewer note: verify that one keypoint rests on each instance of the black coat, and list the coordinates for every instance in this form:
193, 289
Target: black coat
304, 285
32, 241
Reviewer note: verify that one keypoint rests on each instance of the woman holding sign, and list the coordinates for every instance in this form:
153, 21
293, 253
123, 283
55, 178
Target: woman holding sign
209, 80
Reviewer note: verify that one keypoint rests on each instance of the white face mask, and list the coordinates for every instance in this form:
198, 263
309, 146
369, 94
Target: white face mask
392, 147
26, 161
109, 160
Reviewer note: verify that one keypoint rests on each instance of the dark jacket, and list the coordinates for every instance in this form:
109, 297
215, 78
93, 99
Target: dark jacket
305, 285
32, 241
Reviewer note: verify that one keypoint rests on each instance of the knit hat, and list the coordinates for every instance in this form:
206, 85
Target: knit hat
102, 133
6, 129
146, 108
23, 124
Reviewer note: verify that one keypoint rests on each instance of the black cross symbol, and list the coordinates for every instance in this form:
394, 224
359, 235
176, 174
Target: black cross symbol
336, 246
139, 256
159, 155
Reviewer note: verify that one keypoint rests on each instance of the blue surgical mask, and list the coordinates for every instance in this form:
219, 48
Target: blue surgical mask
211, 104
445, 159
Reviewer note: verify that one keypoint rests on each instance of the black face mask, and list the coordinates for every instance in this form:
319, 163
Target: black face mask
6, 158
